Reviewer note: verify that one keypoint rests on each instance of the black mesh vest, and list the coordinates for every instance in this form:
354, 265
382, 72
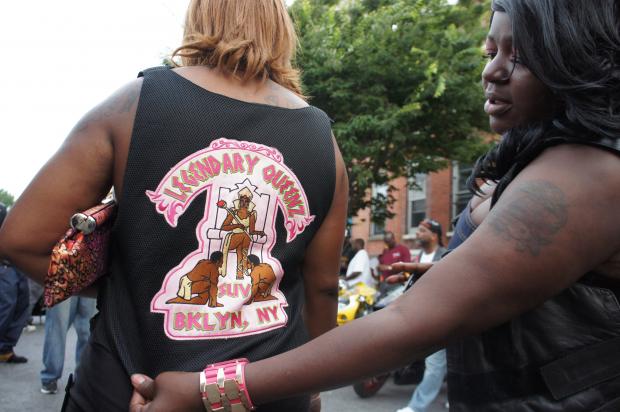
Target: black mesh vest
563, 356
221, 198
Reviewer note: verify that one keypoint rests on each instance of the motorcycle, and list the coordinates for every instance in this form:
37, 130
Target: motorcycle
354, 302
410, 374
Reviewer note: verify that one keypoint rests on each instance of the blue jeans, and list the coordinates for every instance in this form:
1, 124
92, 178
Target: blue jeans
13, 306
58, 319
426, 392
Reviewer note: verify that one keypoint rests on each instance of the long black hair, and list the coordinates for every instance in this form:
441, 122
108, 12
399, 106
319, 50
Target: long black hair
2, 213
573, 48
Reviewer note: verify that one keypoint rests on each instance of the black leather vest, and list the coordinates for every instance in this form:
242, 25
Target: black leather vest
561, 356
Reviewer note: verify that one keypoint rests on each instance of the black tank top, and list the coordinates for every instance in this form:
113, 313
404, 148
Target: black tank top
221, 199
561, 356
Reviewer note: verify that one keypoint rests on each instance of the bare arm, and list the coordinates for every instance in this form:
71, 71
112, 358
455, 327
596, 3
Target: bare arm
562, 204
77, 177
529, 248
352, 275
322, 259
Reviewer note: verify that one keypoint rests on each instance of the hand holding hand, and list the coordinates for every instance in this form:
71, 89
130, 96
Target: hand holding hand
398, 278
410, 267
384, 268
169, 392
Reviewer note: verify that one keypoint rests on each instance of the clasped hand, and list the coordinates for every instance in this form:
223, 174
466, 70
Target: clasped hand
169, 392
402, 267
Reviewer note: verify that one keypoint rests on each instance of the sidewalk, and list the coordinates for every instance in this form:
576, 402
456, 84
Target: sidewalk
20, 384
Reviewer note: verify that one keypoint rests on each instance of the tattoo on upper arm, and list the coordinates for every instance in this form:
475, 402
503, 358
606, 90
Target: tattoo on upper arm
537, 213
118, 104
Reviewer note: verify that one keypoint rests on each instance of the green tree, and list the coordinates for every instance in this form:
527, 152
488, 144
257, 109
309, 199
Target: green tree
6, 198
400, 79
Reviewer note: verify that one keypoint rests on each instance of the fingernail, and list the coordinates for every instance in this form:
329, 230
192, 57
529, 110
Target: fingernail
137, 379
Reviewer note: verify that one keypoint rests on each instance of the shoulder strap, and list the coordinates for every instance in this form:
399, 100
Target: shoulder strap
152, 69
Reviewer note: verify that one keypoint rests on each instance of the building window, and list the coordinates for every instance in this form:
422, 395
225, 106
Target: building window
416, 202
377, 229
460, 192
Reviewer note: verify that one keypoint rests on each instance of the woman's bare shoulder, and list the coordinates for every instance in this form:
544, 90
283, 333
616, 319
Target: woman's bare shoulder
278, 95
250, 91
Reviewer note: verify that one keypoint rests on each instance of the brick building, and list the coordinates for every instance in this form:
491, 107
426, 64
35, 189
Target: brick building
440, 195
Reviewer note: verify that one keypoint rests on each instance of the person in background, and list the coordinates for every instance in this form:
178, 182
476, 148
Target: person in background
429, 237
394, 252
346, 255
435, 366
34, 298
76, 311
359, 267
13, 306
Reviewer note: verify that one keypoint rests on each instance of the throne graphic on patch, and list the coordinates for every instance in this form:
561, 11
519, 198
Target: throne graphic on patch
229, 286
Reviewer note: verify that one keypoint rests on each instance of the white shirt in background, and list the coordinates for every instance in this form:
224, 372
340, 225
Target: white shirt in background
427, 257
360, 263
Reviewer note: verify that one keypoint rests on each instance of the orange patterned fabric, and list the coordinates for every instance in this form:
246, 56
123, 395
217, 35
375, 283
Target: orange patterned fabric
79, 259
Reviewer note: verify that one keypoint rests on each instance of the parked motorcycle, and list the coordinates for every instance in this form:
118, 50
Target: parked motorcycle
410, 374
354, 302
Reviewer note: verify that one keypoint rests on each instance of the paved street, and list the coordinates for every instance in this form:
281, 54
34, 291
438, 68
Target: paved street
19, 385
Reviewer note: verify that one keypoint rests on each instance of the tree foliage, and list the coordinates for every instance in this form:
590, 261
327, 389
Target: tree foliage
400, 79
6, 198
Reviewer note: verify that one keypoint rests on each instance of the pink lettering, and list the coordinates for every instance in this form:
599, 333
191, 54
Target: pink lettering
263, 315
177, 183
251, 163
215, 165
181, 197
196, 173
203, 166
245, 290
268, 173
228, 166
179, 321
193, 321
300, 211
205, 323
187, 179
286, 185
235, 320
274, 311
290, 194
222, 319
274, 181
293, 201
238, 160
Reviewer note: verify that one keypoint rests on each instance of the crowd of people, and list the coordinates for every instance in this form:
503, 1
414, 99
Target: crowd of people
520, 312
18, 299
